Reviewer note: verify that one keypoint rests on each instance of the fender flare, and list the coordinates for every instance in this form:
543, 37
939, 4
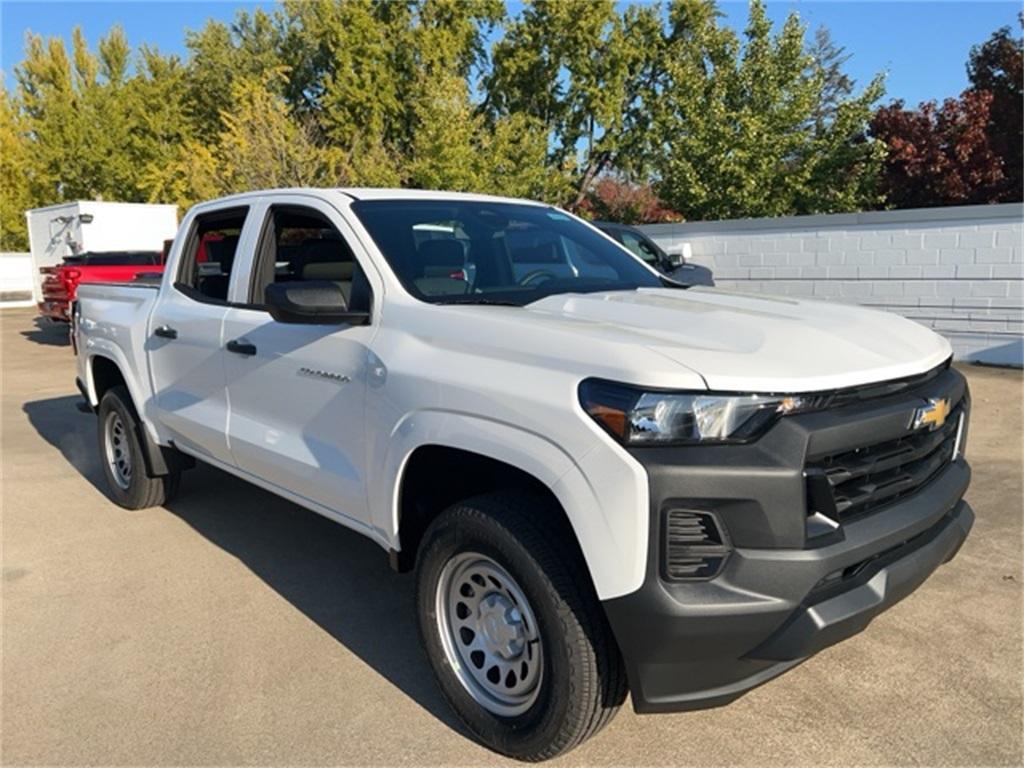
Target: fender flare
598, 535
160, 461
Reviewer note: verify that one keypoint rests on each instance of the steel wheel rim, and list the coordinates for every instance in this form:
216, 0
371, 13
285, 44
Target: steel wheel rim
490, 634
118, 451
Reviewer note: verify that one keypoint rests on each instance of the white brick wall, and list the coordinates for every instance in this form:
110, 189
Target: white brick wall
15, 278
959, 270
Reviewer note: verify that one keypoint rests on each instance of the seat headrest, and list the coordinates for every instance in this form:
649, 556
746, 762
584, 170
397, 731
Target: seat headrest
222, 251
538, 253
441, 253
340, 271
323, 250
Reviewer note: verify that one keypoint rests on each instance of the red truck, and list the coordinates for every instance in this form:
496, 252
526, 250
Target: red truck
61, 282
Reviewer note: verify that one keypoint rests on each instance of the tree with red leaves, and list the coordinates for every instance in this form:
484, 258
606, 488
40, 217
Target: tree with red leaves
939, 155
614, 199
968, 150
997, 66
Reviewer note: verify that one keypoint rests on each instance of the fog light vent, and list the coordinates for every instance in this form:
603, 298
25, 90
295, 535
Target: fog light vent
695, 545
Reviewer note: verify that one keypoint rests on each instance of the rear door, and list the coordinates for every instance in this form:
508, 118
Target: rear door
297, 392
185, 342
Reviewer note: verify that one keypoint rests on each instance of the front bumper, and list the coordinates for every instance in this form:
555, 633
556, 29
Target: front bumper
779, 598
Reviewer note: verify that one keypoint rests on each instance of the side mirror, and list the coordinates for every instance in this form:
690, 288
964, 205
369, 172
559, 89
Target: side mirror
681, 256
313, 302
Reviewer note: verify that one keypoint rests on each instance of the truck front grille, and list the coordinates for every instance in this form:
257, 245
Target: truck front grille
859, 481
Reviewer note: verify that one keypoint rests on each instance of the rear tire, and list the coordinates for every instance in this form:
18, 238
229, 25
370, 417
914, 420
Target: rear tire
500, 576
124, 465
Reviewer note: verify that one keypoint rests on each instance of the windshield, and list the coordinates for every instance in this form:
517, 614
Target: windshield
495, 253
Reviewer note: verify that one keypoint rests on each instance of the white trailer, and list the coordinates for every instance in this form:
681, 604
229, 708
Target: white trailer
66, 229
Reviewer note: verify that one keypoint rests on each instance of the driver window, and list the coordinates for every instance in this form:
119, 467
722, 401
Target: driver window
640, 248
300, 244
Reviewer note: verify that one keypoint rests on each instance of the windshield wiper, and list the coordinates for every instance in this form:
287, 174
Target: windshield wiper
668, 282
481, 300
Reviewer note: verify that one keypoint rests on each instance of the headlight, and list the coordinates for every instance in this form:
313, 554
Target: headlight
637, 417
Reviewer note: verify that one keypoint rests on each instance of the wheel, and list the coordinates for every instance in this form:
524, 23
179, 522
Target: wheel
121, 454
514, 631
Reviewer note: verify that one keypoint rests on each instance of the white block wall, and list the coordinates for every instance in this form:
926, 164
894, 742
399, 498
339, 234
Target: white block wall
959, 270
15, 277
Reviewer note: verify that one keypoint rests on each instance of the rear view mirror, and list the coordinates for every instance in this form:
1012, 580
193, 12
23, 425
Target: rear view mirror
314, 302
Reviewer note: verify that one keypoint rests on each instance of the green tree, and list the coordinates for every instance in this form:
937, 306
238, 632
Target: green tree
261, 146
15, 170
578, 68
97, 124
734, 123
220, 54
392, 92
52, 103
444, 152
455, 148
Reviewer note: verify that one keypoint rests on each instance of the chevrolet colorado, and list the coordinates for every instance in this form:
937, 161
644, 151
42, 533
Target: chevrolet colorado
605, 482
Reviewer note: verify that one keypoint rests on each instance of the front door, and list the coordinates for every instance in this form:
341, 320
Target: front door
297, 392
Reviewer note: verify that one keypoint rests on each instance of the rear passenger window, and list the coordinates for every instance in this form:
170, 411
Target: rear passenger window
209, 255
301, 244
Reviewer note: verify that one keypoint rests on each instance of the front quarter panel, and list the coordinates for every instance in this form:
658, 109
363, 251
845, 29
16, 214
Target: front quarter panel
431, 385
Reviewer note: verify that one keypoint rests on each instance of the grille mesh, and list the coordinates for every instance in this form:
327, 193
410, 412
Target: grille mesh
695, 546
857, 482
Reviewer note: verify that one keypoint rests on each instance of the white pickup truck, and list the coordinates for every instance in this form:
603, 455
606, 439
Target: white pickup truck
605, 481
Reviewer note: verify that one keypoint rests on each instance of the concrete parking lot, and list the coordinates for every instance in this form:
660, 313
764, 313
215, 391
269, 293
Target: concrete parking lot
232, 627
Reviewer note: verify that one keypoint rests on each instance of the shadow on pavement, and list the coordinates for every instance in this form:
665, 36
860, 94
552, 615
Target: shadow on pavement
50, 333
336, 577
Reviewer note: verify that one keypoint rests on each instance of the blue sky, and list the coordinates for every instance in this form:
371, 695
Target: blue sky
922, 45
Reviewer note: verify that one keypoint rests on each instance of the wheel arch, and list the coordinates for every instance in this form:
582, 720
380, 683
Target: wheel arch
462, 473
603, 497
105, 372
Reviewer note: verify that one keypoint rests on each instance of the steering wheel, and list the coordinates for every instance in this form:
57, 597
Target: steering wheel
535, 275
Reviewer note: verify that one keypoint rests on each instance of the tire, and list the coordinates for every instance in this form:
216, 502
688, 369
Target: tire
128, 483
567, 677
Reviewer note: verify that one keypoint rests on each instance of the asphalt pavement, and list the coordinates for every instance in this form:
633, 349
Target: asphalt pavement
234, 628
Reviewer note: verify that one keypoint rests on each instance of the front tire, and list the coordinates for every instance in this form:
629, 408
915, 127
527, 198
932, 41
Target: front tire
516, 636
128, 483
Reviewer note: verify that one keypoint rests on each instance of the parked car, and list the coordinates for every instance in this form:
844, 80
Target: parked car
60, 283
601, 477
673, 265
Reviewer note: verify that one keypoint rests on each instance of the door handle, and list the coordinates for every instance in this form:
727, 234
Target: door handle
165, 332
241, 347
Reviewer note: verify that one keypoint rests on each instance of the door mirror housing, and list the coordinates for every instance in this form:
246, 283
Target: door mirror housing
679, 256
311, 302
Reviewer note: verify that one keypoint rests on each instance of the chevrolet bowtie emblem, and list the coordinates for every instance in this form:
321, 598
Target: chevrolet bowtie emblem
933, 415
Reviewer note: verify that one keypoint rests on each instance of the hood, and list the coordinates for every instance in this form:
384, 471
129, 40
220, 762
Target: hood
742, 342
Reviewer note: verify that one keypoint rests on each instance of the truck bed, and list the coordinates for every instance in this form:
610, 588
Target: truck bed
113, 319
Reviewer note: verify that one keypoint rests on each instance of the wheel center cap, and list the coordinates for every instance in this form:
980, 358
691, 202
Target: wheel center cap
501, 625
